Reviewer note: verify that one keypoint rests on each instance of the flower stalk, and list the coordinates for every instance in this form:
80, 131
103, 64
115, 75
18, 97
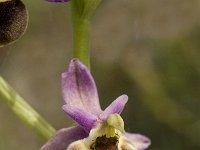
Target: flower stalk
82, 12
81, 40
24, 111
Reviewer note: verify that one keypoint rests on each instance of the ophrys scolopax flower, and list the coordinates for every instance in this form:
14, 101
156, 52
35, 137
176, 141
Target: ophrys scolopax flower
96, 129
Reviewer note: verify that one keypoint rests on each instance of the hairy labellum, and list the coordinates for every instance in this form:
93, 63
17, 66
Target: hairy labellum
104, 143
13, 20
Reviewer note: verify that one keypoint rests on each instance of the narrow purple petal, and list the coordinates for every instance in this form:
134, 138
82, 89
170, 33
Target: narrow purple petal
64, 137
58, 1
139, 141
79, 88
83, 118
115, 107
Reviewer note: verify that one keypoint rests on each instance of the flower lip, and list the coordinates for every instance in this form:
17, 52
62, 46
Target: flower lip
105, 143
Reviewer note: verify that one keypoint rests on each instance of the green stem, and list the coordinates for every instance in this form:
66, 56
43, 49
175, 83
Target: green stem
24, 111
82, 12
81, 40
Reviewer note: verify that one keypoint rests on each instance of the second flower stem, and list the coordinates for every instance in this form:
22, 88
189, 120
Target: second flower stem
24, 111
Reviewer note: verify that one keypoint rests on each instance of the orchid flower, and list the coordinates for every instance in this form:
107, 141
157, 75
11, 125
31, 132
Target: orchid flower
96, 129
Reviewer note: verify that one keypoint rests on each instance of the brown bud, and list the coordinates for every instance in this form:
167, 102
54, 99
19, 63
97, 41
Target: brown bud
13, 20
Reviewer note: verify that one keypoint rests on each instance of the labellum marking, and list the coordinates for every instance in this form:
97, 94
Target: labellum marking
104, 143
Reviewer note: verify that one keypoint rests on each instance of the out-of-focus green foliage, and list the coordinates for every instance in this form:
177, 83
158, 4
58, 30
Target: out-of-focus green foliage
148, 50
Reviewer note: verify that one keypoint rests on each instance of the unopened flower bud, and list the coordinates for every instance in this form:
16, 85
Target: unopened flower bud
13, 20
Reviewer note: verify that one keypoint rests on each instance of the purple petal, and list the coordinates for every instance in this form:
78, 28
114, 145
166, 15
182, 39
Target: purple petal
83, 118
64, 137
58, 1
115, 107
79, 89
139, 141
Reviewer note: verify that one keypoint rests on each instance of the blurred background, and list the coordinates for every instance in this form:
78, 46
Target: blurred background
149, 50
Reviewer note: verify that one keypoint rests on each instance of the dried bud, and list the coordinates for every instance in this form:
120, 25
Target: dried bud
13, 20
